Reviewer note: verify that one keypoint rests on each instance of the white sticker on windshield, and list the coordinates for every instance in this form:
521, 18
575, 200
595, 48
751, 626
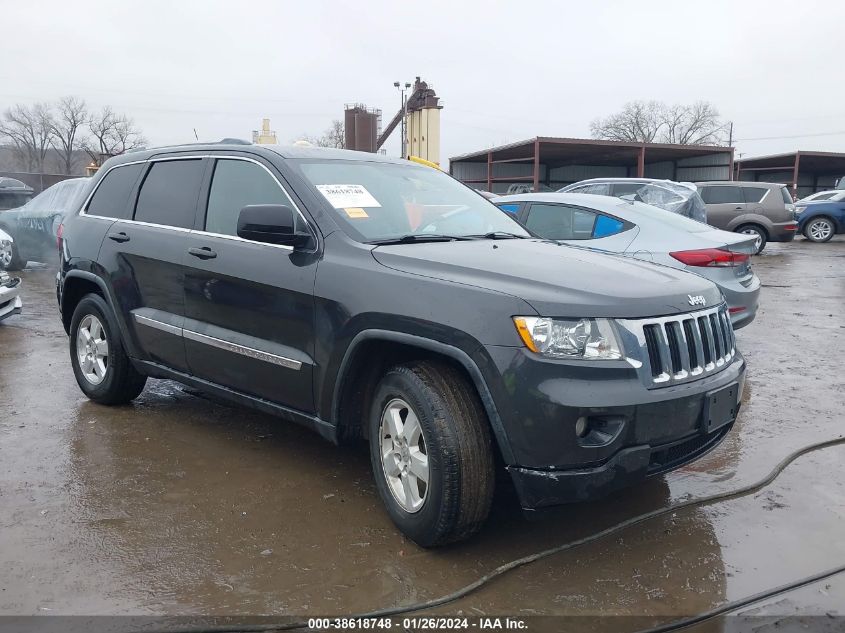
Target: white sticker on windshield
343, 196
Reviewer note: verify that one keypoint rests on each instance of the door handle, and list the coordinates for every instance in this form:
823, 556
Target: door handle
202, 253
738, 209
119, 237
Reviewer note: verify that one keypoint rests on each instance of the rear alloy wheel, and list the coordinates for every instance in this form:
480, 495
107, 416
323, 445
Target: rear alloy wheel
431, 452
819, 229
100, 364
92, 349
759, 234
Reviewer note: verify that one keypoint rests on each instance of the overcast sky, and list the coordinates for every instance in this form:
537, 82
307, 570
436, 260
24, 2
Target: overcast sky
504, 71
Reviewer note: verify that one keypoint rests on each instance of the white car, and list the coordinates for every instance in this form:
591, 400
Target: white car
10, 300
648, 233
831, 195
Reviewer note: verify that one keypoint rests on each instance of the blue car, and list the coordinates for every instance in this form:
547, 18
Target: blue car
820, 220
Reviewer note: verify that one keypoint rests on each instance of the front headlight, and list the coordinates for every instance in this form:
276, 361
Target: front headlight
587, 339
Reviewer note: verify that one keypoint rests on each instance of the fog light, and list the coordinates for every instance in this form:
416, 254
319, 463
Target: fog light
582, 427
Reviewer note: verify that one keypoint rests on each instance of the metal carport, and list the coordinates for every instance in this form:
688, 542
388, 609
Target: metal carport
805, 172
555, 162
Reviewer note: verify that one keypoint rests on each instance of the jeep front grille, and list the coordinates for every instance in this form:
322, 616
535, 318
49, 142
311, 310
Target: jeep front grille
688, 346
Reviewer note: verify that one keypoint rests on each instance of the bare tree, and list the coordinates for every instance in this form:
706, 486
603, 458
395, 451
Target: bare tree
639, 121
332, 137
111, 134
71, 114
29, 130
653, 121
695, 124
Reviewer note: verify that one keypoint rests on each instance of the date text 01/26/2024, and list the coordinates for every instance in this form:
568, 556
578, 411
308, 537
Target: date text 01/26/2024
418, 624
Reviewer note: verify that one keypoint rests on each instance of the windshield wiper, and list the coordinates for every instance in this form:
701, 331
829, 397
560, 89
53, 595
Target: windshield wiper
502, 235
411, 238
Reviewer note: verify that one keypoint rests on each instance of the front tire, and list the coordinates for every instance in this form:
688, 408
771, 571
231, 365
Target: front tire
100, 364
820, 229
10, 258
431, 452
759, 233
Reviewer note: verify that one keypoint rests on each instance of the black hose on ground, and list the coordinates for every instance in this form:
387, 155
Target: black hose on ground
525, 560
743, 602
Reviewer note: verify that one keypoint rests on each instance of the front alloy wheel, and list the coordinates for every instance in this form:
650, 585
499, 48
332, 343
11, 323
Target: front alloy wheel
431, 452
819, 230
6, 254
403, 455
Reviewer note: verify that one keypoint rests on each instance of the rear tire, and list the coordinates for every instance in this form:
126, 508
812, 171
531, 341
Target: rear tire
429, 409
820, 229
100, 364
758, 231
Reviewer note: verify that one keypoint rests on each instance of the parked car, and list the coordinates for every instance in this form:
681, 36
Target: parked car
35, 225
13, 193
832, 195
10, 300
762, 209
680, 198
6, 250
820, 220
641, 231
525, 188
364, 296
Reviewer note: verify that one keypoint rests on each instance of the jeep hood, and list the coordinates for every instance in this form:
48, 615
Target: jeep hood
555, 279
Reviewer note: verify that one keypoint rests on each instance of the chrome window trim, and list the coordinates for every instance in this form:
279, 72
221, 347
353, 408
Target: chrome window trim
228, 346
83, 211
237, 238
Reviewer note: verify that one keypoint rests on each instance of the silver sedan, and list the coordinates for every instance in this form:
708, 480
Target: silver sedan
648, 233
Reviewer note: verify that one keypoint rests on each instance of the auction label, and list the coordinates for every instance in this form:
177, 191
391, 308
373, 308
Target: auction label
348, 196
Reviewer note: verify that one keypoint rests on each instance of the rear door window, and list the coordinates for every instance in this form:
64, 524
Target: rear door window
169, 194
111, 198
560, 221
754, 194
722, 195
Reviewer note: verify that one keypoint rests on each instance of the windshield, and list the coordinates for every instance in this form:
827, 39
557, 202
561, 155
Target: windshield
375, 201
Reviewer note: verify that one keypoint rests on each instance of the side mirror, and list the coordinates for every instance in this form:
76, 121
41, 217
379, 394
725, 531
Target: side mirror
271, 224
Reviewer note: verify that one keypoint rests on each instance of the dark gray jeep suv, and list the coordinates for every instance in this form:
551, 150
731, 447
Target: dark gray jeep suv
367, 297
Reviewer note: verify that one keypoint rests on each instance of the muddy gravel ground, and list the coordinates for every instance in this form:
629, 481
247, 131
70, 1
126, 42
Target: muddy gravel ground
179, 504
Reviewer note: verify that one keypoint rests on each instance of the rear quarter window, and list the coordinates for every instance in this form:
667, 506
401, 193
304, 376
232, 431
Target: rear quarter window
509, 207
754, 194
111, 197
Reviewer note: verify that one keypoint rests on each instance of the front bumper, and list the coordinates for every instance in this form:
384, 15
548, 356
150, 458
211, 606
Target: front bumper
538, 489
10, 301
638, 432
